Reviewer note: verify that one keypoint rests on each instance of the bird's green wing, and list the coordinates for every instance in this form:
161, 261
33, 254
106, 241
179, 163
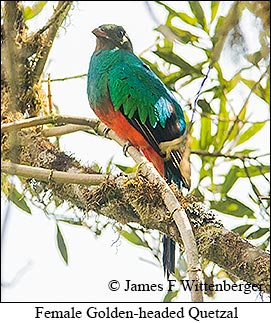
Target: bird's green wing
133, 87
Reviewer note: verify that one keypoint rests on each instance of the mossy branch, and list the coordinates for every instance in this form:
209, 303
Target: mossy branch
142, 201
170, 200
47, 175
68, 124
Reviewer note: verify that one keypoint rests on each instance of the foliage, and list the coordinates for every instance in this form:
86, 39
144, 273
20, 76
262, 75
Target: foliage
225, 130
32, 11
61, 244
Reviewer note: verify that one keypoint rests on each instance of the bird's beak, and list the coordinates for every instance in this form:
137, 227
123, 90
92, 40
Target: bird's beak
99, 33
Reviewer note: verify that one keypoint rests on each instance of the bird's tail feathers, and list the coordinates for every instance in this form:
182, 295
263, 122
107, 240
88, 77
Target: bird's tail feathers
168, 255
177, 170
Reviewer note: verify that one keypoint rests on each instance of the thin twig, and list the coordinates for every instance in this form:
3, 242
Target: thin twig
264, 197
219, 154
50, 103
66, 78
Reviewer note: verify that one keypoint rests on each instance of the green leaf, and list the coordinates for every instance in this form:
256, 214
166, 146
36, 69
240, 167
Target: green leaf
31, 12
188, 19
170, 296
108, 166
205, 169
198, 13
96, 167
257, 89
234, 130
197, 193
194, 143
133, 238
230, 179
242, 229
214, 8
154, 67
172, 78
233, 82
205, 133
265, 245
205, 106
126, 169
243, 152
233, 207
184, 36
172, 58
223, 125
242, 113
267, 91
253, 171
61, 244
237, 126
170, 10
183, 16
251, 131
258, 234
255, 57
18, 199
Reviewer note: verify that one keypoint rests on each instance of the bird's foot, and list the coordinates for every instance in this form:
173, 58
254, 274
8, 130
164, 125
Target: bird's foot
126, 147
105, 132
101, 129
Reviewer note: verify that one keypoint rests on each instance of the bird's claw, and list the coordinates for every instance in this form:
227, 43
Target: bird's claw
106, 131
126, 147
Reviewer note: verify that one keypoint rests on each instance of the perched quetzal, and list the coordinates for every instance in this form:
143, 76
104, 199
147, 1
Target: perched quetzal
131, 100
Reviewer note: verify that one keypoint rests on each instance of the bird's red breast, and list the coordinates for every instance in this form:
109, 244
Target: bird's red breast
116, 121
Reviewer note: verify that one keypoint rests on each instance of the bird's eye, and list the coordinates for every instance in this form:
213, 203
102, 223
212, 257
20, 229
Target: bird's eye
120, 33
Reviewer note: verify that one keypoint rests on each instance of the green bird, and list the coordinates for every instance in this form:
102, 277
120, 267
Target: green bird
131, 100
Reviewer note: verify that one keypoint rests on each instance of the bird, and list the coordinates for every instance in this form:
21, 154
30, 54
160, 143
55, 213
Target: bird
129, 98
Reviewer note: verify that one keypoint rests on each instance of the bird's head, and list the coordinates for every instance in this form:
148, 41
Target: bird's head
111, 36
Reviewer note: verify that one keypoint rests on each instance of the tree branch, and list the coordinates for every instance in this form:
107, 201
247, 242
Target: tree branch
168, 196
59, 120
137, 200
48, 175
90, 123
10, 51
63, 130
51, 27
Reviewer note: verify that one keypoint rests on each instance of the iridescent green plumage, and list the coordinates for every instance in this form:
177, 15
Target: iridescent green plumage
133, 87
